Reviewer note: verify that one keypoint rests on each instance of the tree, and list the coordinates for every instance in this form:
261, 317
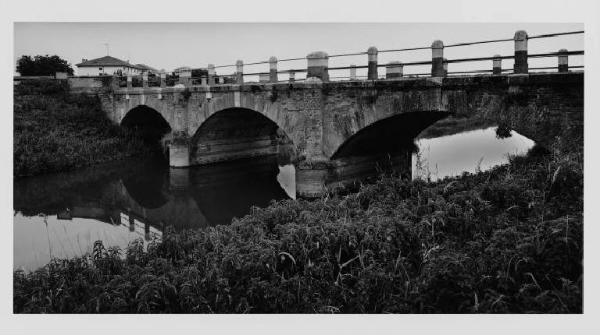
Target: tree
42, 65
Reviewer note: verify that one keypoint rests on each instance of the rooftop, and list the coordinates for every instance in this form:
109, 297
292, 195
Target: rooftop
106, 61
146, 67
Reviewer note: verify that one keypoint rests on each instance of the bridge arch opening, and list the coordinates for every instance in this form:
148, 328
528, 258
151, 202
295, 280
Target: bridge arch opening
239, 133
388, 136
148, 124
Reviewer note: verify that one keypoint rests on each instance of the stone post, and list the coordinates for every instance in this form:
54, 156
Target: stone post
292, 76
211, 74
394, 70
129, 81
372, 69
445, 67
203, 81
437, 58
318, 63
185, 77
163, 79
273, 69
131, 223
115, 82
521, 52
145, 79
264, 77
352, 72
239, 72
497, 65
563, 60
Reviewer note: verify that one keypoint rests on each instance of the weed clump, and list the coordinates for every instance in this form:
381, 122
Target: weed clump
56, 131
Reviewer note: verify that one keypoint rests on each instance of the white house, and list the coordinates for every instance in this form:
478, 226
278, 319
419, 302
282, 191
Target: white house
107, 66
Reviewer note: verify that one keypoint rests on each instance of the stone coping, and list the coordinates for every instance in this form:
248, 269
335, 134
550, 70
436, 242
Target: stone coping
395, 83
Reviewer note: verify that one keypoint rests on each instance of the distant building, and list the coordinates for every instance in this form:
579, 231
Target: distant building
148, 69
178, 70
107, 66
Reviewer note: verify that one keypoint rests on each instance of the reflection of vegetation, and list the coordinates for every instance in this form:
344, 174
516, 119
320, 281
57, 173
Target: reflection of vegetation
505, 240
454, 125
503, 131
56, 131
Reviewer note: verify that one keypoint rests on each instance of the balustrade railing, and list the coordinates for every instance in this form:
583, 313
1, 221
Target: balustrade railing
318, 62
317, 65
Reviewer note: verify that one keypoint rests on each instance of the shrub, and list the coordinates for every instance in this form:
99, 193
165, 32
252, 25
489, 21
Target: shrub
57, 131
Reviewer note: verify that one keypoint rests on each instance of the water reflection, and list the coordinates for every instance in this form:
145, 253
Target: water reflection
62, 215
469, 151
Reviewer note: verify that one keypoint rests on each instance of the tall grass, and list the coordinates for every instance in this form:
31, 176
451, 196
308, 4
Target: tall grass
508, 240
56, 131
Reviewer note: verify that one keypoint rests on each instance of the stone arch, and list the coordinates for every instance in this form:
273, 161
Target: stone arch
390, 134
262, 101
159, 105
149, 122
238, 132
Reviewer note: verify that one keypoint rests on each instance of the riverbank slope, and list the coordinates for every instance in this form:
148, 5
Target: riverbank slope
57, 131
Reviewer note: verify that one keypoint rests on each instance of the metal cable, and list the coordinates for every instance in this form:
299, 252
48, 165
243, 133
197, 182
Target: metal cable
555, 34
417, 48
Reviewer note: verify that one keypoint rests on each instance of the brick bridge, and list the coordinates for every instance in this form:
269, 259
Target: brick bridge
331, 127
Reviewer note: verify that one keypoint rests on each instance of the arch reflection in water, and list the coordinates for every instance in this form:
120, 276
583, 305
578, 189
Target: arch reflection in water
62, 215
473, 150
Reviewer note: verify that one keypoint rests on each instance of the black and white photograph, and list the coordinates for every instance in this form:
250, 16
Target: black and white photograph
293, 166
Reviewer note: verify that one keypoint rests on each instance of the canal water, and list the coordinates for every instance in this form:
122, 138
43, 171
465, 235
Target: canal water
62, 215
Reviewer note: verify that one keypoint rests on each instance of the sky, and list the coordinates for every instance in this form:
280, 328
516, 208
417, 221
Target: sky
171, 45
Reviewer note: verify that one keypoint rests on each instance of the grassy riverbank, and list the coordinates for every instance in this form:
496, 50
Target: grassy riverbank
55, 131
506, 240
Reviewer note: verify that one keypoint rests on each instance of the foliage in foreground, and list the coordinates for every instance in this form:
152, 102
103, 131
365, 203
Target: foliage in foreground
56, 131
507, 240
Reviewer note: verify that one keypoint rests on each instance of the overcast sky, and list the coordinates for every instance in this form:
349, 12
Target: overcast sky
170, 45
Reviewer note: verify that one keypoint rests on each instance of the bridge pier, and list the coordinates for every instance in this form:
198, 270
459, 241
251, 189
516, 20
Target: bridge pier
179, 155
317, 177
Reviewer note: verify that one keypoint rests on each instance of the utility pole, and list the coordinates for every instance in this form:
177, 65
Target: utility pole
107, 48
